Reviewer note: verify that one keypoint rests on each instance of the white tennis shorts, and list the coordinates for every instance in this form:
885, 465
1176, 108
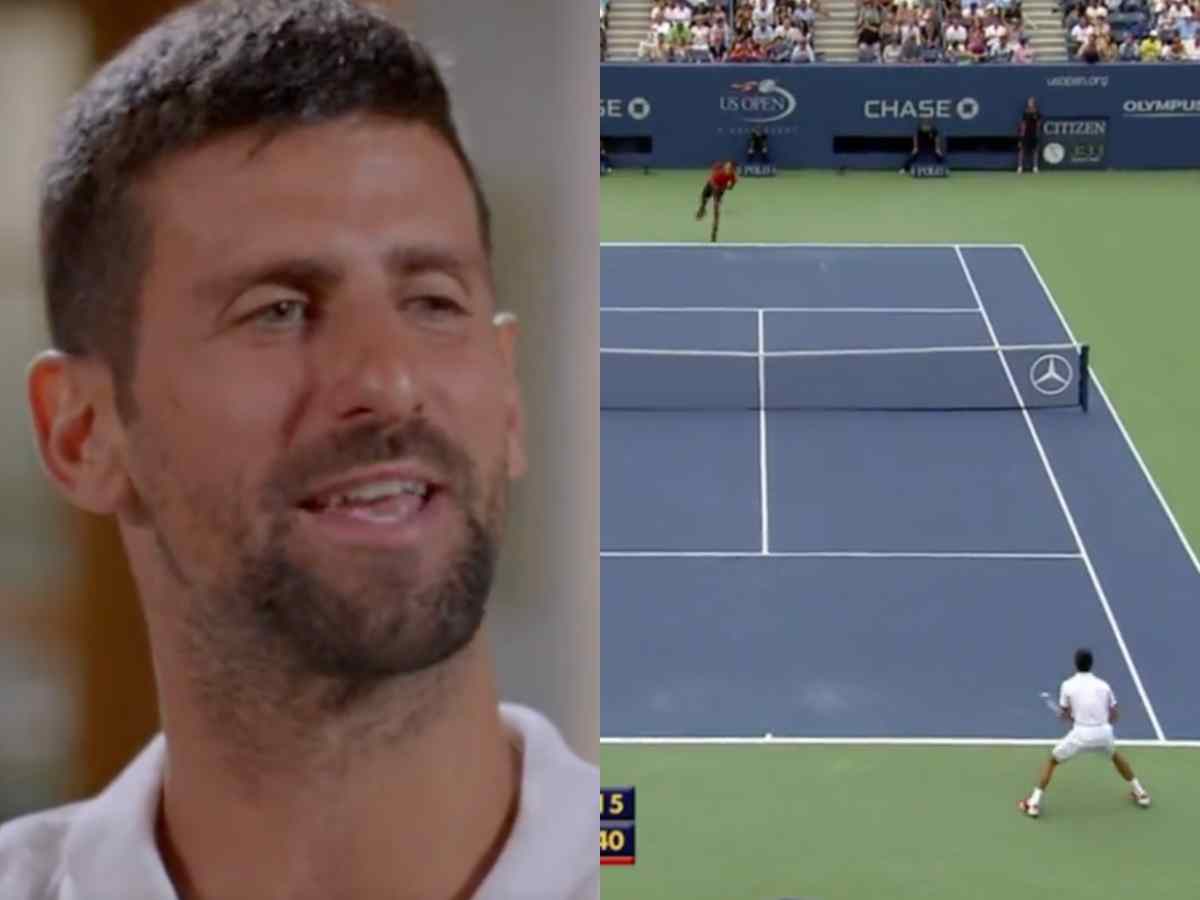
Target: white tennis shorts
1086, 739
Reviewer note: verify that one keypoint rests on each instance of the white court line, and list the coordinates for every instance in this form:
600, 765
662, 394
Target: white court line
762, 433
915, 310
847, 351
830, 554
1116, 418
1062, 500
907, 351
640, 351
818, 246
873, 742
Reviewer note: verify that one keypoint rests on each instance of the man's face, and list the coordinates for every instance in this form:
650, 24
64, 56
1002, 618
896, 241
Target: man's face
327, 412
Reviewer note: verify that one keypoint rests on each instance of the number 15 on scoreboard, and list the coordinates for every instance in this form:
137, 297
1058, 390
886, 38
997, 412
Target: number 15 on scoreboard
618, 811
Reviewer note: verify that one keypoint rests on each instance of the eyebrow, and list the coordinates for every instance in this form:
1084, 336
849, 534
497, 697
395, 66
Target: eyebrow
415, 259
304, 271
321, 273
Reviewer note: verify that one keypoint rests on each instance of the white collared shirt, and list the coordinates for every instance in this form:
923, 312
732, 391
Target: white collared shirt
1090, 699
105, 849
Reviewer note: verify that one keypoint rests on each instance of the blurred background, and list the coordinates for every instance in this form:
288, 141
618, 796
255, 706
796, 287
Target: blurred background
76, 689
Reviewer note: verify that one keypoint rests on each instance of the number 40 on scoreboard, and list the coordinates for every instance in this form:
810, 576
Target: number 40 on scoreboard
618, 813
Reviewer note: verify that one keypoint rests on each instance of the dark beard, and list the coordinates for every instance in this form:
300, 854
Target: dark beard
391, 627
278, 639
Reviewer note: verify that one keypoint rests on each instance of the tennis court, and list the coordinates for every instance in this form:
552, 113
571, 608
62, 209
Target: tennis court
875, 568
823, 814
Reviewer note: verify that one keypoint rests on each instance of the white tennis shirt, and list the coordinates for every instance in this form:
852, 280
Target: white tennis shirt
1089, 697
104, 848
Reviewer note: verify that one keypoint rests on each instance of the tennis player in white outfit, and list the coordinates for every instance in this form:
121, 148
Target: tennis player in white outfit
1090, 705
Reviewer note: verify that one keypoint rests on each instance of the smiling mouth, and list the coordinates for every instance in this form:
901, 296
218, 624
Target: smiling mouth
381, 501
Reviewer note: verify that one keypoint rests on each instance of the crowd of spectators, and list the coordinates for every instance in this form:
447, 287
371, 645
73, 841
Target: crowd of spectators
888, 31
920, 31
1112, 31
603, 30
915, 31
757, 31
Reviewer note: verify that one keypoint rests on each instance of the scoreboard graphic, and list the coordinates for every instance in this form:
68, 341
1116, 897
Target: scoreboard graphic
618, 826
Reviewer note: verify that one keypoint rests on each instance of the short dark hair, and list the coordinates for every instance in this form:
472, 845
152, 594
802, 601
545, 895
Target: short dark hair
1083, 660
215, 67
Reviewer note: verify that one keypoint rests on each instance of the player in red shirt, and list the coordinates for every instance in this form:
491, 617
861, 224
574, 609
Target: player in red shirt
722, 178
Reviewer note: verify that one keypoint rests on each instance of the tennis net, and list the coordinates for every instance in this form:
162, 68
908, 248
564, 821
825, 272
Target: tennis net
1014, 377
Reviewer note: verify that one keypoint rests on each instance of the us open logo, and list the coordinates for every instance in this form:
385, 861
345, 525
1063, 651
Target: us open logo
759, 101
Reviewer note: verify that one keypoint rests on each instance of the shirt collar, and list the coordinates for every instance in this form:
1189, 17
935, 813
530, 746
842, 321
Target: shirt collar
113, 839
112, 842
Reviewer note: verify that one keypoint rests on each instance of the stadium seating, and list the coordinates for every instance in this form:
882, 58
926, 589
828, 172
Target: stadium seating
730, 31
1140, 18
872, 31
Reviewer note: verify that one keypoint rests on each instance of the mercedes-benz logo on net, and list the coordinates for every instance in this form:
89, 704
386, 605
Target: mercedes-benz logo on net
1051, 374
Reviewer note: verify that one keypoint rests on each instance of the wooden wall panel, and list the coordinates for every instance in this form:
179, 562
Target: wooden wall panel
118, 703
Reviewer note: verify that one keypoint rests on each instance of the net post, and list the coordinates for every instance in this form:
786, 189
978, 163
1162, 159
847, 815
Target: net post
1083, 376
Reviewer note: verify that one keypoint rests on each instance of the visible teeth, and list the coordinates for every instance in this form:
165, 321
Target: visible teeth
377, 490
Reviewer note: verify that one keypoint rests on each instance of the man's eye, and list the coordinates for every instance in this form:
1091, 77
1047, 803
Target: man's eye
436, 306
282, 312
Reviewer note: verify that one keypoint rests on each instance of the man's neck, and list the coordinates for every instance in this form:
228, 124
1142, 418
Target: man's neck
423, 815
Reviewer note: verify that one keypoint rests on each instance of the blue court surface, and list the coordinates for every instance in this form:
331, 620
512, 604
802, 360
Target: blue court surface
871, 492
